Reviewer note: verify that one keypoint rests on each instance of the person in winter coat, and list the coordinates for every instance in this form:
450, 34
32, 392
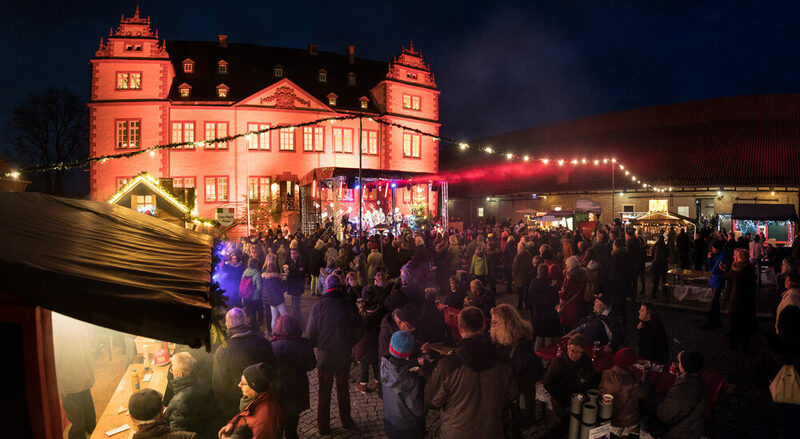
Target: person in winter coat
258, 408
374, 261
402, 319
272, 288
244, 348
296, 281
571, 307
233, 270
479, 266
454, 255
316, 262
404, 292
402, 390
652, 339
147, 417
627, 389
740, 288
334, 327
620, 282
455, 299
190, 408
603, 326
790, 297
371, 311
471, 386
660, 265
542, 302
571, 372
480, 297
294, 357
509, 255
718, 263
250, 293
683, 409
556, 273
521, 272
513, 338
636, 253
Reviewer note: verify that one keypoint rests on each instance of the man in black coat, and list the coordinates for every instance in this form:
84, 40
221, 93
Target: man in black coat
404, 292
190, 408
620, 282
334, 327
636, 253
699, 251
244, 348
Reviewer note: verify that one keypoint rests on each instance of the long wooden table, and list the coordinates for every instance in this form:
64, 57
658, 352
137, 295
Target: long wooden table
116, 412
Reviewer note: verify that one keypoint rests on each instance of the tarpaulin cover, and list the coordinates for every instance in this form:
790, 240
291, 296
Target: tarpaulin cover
107, 265
764, 212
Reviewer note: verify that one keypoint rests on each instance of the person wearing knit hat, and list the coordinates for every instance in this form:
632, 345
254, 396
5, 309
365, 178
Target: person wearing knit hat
603, 325
402, 390
626, 388
258, 408
333, 284
145, 411
572, 263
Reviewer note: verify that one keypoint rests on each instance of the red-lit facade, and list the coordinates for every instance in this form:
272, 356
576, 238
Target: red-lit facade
147, 92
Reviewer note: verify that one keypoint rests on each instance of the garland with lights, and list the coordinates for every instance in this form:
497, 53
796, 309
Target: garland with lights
462, 145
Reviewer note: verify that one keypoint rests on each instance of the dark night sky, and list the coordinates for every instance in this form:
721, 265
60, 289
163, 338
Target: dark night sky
500, 66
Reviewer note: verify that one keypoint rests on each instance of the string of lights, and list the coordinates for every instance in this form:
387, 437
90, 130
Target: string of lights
463, 146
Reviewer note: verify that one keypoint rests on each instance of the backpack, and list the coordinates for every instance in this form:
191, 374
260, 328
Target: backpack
246, 288
785, 387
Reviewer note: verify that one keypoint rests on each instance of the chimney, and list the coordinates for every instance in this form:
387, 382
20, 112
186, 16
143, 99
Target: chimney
223, 40
351, 54
312, 49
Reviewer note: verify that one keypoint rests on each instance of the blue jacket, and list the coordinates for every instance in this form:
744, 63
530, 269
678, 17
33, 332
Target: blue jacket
403, 399
717, 279
607, 329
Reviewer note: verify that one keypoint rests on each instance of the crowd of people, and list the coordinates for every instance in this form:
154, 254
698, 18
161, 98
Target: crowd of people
420, 311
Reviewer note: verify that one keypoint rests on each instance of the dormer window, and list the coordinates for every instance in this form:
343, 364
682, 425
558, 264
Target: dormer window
185, 90
332, 99
222, 91
322, 76
277, 71
364, 102
188, 66
351, 79
222, 67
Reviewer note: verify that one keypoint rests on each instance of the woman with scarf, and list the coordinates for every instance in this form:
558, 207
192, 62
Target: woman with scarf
258, 408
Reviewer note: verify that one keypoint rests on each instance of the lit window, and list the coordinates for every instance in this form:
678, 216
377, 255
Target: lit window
342, 140
129, 80
183, 132
369, 142
258, 188
222, 67
480, 212
277, 71
215, 130
411, 143
411, 102
313, 138
128, 133
351, 79
183, 182
185, 92
364, 102
144, 204
287, 139
260, 140
323, 76
222, 91
332, 99
188, 66
216, 189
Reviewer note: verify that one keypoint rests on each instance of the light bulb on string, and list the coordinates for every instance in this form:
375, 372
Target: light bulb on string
463, 146
489, 149
509, 156
526, 158
545, 161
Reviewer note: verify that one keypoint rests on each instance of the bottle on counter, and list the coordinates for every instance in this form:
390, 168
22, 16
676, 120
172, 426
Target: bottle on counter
146, 355
135, 383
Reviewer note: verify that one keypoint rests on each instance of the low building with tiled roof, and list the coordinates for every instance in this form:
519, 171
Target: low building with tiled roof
703, 157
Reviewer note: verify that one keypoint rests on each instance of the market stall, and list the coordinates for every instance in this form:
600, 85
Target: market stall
655, 222
777, 222
99, 263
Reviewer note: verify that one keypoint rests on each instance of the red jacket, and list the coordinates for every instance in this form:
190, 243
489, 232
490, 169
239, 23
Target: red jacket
574, 308
262, 416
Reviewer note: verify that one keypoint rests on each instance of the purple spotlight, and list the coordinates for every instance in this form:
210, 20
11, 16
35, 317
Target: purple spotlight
394, 185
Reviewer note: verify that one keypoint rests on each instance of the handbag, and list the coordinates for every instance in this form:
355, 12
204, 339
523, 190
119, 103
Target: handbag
785, 387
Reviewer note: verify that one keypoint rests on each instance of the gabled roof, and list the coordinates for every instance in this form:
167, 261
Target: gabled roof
250, 69
147, 179
741, 141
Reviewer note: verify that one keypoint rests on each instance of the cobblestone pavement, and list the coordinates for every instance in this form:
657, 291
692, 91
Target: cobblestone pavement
735, 415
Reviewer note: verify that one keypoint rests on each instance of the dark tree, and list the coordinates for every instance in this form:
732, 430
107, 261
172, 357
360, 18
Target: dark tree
49, 128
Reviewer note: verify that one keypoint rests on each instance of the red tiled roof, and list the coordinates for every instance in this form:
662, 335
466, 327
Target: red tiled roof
743, 141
